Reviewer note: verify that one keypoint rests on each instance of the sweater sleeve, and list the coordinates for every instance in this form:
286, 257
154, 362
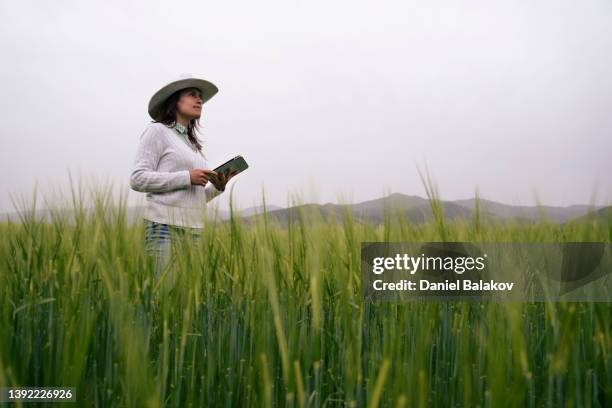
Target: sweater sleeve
145, 177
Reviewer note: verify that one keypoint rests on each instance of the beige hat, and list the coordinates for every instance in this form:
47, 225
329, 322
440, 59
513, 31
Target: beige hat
207, 89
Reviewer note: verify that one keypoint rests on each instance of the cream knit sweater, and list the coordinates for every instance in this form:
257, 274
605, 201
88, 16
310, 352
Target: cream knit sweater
161, 170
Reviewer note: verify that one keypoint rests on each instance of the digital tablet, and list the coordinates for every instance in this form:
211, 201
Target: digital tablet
237, 164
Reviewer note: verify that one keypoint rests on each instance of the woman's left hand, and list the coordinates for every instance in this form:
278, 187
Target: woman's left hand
221, 179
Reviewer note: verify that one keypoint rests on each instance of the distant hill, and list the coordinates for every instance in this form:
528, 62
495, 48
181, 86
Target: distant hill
418, 210
505, 211
414, 208
602, 214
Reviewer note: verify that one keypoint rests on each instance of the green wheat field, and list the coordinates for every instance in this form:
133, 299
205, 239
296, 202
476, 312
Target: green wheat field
264, 315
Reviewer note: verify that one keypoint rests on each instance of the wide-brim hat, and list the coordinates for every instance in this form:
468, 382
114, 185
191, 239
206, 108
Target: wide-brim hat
207, 89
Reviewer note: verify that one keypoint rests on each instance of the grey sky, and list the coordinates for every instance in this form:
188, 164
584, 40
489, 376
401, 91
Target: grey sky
336, 100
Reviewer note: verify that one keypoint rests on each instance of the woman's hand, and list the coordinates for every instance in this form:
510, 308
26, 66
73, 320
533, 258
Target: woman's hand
221, 179
199, 177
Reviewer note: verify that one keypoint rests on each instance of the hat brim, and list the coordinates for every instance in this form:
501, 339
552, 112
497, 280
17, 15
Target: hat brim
207, 90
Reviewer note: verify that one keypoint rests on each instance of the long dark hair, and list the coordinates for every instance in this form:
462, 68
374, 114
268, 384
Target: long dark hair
167, 116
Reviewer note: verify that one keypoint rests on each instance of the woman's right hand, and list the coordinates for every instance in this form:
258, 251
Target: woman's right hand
199, 177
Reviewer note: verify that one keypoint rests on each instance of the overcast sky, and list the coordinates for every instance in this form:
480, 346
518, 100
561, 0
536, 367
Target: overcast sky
335, 101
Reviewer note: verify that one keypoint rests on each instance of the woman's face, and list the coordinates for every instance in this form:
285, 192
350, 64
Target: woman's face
190, 103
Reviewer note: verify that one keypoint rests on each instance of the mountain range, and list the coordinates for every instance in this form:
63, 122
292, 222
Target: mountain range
416, 209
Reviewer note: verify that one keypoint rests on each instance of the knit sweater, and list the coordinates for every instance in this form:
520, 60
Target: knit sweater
161, 170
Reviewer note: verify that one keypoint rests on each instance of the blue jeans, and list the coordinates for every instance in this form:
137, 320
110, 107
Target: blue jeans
159, 238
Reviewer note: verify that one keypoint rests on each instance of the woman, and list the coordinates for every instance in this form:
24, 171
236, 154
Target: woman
172, 170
